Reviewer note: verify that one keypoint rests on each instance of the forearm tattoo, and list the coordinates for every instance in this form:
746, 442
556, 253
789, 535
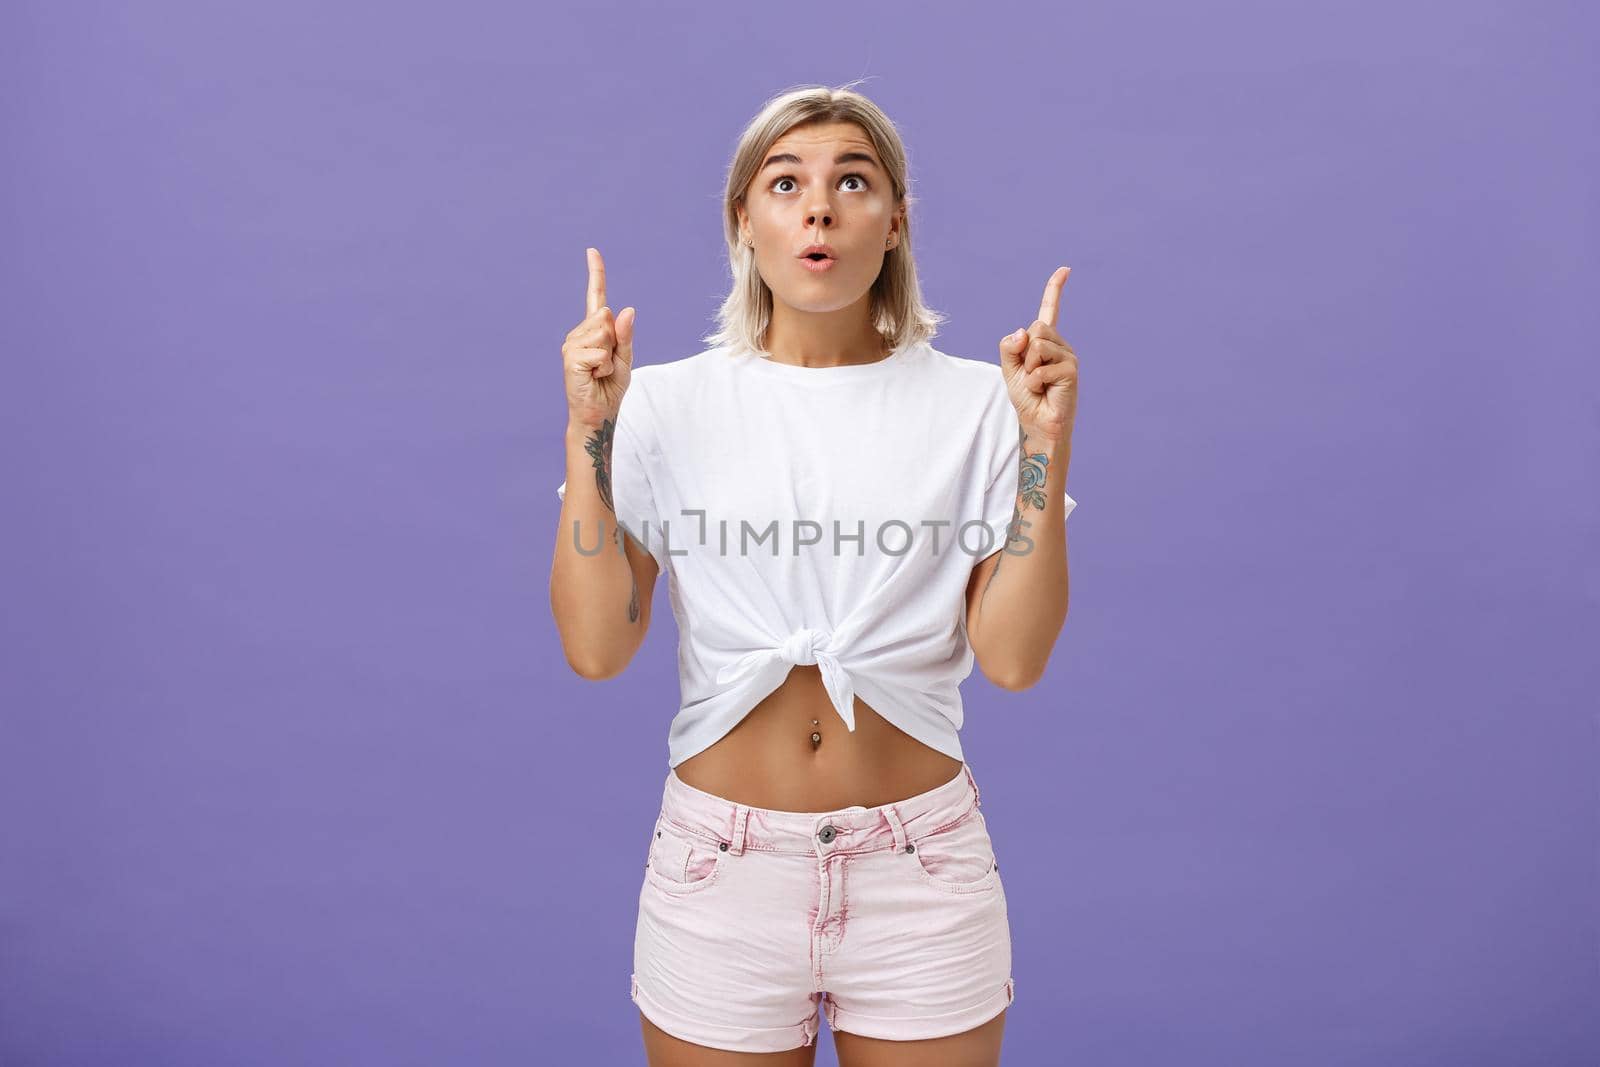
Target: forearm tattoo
598, 446
1030, 491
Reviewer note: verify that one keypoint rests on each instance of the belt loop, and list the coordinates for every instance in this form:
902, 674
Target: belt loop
977, 797
894, 824
741, 816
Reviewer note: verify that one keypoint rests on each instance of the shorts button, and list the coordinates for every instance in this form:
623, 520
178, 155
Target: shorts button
910, 847
723, 846
827, 834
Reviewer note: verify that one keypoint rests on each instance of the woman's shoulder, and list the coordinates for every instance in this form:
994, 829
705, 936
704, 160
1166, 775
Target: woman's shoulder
686, 372
965, 366
959, 378
971, 379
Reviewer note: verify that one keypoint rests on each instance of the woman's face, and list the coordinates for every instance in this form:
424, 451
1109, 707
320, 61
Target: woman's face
820, 184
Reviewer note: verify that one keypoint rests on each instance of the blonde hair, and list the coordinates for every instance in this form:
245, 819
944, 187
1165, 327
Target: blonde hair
898, 313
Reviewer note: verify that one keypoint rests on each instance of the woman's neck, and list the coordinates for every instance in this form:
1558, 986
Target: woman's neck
804, 339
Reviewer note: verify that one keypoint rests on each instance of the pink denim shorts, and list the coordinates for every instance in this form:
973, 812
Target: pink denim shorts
891, 919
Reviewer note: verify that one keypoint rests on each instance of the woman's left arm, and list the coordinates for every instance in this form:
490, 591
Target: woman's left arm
1017, 597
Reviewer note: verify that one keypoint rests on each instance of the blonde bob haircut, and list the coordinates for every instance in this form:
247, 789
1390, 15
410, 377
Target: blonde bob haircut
898, 312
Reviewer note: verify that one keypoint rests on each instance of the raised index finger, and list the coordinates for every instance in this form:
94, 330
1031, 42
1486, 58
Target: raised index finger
1052, 295
597, 283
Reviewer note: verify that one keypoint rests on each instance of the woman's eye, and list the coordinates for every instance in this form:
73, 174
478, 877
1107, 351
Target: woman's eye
848, 177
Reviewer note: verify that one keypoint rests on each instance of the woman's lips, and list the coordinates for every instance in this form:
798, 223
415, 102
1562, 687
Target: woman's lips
817, 266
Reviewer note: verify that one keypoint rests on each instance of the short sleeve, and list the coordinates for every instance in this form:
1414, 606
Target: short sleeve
1006, 477
633, 456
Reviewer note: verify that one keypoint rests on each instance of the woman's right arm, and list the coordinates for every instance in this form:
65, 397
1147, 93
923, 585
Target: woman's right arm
600, 611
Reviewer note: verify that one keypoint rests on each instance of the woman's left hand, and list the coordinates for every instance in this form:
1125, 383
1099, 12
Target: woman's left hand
1041, 370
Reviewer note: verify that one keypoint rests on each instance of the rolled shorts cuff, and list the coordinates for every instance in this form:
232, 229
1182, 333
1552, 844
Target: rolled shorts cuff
727, 1038
922, 1027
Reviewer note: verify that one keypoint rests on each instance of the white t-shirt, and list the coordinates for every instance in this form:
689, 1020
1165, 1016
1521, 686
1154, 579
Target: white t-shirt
827, 515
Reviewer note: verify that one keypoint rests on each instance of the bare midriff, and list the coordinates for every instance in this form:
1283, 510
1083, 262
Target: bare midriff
792, 752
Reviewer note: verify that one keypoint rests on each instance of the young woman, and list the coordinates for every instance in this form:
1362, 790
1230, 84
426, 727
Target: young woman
849, 519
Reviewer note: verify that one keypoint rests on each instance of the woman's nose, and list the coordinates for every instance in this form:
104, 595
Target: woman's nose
819, 216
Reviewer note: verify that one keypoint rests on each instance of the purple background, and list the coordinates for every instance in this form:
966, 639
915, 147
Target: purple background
292, 769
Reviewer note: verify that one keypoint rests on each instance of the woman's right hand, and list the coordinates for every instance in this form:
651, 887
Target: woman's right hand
597, 357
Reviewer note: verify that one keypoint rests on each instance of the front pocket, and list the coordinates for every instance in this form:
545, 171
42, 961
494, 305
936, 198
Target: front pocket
680, 861
958, 858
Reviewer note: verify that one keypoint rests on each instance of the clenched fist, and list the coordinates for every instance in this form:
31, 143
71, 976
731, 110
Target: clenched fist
1041, 369
597, 357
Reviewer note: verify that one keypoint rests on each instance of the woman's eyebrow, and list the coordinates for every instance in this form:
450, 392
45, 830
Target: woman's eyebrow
842, 157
